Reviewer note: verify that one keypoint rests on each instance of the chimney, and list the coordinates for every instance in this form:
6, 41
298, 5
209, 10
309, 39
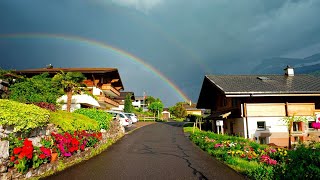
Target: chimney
49, 66
289, 71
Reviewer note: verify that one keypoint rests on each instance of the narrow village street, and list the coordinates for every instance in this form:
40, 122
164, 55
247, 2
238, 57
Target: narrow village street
156, 151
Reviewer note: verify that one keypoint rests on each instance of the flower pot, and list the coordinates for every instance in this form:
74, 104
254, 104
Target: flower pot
54, 157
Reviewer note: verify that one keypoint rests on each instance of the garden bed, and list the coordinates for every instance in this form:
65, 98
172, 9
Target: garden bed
257, 161
29, 161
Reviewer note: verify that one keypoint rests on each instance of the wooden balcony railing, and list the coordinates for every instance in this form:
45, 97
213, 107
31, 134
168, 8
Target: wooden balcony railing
107, 100
110, 90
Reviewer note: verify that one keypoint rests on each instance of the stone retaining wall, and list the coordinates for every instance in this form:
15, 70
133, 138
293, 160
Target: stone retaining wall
114, 133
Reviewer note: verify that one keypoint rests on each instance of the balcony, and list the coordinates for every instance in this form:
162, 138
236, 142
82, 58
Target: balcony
109, 90
106, 102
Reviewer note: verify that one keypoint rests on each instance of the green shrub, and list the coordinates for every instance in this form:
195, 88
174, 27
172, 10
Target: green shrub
100, 116
22, 116
302, 163
70, 122
39, 88
260, 171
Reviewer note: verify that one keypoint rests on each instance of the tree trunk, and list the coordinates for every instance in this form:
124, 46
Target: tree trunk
69, 98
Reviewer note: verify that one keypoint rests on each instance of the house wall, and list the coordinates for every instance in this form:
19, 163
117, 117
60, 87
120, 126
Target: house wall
276, 131
192, 112
96, 91
238, 126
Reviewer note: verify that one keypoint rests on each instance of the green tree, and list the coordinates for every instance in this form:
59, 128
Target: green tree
128, 108
39, 88
156, 107
149, 100
178, 110
69, 82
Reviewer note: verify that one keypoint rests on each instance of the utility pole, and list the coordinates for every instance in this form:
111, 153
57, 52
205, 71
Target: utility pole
144, 97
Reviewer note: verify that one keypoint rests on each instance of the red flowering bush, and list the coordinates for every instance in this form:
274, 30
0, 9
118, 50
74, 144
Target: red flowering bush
47, 106
266, 159
22, 156
68, 144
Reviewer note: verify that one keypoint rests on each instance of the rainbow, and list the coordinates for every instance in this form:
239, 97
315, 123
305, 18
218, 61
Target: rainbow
102, 45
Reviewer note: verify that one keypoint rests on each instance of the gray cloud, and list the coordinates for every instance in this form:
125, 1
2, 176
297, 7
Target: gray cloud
141, 5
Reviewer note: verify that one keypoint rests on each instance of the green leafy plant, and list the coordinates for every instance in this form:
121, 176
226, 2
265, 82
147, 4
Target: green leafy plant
39, 88
21, 116
301, 163
70, 122
178, 110
100, 116
47, 142
288, 121
156, 107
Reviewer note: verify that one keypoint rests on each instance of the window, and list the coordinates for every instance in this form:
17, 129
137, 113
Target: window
310, 124
296, 126
224, 102
234, 102
261, 125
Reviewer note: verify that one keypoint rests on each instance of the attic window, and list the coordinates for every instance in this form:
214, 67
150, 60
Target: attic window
263, 78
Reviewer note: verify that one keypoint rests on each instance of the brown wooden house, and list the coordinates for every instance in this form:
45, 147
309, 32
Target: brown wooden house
252, 106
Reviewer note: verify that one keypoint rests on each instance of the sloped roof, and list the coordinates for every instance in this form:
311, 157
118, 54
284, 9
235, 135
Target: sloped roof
108, 72
266, 84
193, 106
56, 70
124, 94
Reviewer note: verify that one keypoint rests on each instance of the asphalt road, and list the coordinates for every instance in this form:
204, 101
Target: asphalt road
156, 151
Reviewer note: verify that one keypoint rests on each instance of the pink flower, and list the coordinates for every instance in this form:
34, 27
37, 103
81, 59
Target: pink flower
266, 159
315, 125
218, 145
272, 162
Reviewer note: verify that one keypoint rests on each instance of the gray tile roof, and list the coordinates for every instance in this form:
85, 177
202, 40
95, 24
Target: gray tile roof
279, 84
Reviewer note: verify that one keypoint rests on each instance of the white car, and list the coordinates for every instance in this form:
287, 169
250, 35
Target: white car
133, 117
124, 120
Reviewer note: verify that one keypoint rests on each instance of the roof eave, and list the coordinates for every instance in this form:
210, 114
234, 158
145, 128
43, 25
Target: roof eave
268, 94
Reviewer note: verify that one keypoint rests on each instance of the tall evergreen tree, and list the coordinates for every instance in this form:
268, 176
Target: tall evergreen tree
128, 108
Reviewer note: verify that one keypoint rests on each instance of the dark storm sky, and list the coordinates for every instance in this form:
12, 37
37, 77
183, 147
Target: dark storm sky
183, 39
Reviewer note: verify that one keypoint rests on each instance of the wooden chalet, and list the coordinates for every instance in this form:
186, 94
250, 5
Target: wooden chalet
104, 83
253, 106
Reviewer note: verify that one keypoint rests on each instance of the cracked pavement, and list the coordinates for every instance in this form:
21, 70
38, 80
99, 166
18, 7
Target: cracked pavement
156, 151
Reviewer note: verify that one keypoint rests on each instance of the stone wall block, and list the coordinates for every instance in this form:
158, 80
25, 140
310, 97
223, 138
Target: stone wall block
3, 168
1, 129
42, 131
4, 149
36, 141
8, 130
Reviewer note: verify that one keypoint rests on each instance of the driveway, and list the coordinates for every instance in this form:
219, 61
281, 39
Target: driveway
156, 151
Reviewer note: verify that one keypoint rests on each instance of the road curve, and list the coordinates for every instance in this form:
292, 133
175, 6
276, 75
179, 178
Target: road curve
157, 151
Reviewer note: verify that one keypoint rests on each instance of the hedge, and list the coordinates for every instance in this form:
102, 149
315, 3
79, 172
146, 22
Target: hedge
23, 117
70, 122
100, 116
